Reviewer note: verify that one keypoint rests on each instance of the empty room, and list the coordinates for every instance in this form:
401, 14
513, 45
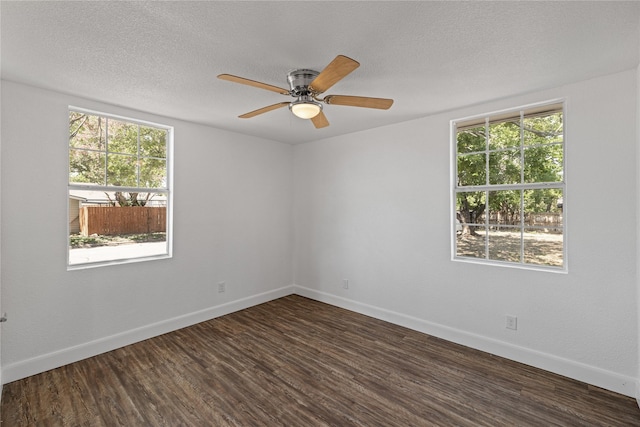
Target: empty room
300, 213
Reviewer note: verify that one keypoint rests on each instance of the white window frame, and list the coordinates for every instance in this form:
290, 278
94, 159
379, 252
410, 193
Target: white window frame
485, 118
168, 191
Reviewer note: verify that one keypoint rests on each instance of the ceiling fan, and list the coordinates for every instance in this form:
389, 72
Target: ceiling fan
306, 86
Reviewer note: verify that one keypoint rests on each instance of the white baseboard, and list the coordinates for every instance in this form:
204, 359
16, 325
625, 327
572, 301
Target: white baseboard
45, 362
589, 374
565, 367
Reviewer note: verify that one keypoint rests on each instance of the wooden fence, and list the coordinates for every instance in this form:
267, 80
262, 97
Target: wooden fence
110, 221
544, 219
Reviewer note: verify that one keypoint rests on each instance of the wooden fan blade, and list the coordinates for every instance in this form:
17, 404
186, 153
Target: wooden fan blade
359, 101
248, 82
333, 73
263, 110
320, 121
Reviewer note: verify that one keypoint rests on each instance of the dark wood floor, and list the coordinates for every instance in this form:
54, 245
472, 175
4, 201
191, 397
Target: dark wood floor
297, 362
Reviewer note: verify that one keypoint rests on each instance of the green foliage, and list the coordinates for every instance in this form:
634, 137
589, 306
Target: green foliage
504, 135
87, 145
472, 169
109, 152
471, 140
518, 153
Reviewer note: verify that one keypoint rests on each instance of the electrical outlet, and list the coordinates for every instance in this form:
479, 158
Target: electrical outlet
512, 322
345, 283
222, 287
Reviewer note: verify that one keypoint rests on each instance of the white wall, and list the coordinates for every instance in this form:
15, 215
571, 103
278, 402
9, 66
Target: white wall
638, 230
371, 207
232, 222
637, 194
1, 382
374, 208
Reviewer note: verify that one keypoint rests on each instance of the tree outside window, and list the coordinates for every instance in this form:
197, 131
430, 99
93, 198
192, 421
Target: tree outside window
509, 189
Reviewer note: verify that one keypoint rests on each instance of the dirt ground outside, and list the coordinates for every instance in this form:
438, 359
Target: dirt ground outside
539, 248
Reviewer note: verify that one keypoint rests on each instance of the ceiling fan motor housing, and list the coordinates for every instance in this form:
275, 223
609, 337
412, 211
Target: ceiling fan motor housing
299, 81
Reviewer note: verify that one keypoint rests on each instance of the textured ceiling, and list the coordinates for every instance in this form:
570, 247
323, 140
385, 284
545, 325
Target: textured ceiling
163, 57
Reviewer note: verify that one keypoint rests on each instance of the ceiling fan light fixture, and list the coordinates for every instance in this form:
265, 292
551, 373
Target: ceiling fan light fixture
305, 108
305, 86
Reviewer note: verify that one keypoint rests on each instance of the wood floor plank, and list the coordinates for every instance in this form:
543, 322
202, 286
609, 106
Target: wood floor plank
298, 362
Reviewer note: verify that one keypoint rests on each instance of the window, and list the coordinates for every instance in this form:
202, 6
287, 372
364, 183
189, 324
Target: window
509, 186
119, 189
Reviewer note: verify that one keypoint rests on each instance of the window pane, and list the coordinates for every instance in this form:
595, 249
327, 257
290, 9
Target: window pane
122, 170
543, 207
505, 244
471, 206
543, 130
153, 173
517, 215
123, 137
86, 131
543, 246
470, 140
504, 167
472, 245
86, 167
504, 207
543, 163
543, 243
153, 142
504, 134
102, 198
108, 226
472, 170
